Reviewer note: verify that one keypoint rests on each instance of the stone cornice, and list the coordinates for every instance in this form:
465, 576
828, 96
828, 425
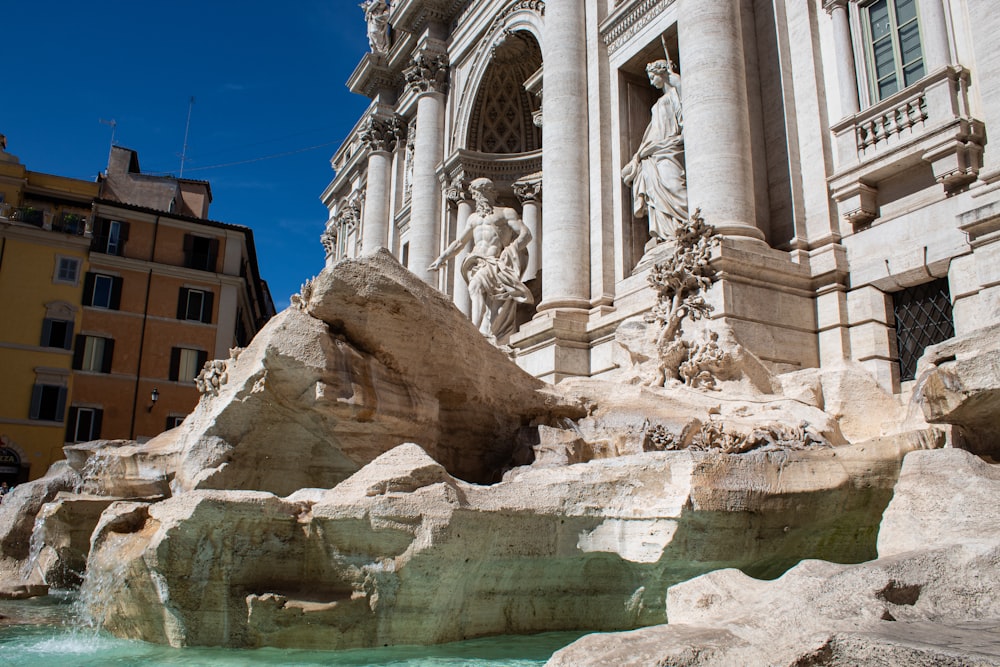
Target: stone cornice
628, 19
372, 76
414, 15
502, 169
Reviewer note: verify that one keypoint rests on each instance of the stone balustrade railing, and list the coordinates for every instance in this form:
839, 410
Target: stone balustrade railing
898, 120
929, 123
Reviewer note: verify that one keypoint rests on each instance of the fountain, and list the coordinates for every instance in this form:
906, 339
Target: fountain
370, 471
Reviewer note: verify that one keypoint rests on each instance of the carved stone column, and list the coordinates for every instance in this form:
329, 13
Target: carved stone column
456, 194
566, 242
847, 74
380, 135
529, 191
934, 31
716, 116
428, 78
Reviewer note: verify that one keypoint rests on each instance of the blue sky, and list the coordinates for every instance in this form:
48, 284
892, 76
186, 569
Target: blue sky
267, 77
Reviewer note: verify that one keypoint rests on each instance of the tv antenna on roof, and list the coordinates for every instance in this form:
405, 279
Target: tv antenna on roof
187, 128
114, 126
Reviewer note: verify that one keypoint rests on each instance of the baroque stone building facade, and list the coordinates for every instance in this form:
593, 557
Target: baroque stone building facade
838, 145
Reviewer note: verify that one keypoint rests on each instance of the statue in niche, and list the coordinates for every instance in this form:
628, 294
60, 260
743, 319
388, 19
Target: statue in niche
493, 268
377, 16
656, 171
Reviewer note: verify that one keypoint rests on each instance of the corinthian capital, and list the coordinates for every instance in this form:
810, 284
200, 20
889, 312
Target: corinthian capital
528, 190
382, 134
428, 73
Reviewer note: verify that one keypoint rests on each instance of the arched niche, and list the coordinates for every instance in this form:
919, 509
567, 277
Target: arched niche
502, 114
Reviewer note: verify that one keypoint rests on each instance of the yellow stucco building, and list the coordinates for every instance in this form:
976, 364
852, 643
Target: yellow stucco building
43, 258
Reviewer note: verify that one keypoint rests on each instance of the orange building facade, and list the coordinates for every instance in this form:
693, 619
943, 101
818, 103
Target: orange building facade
160, 289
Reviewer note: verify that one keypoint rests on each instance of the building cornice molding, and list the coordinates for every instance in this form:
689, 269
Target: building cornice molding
628, 19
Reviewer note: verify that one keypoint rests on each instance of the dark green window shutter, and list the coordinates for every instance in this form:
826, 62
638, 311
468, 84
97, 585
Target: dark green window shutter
206, 308
202, 358
36, 401
116, 293
46, 332
68, 340
81, 345
88, 289
109, 350
175, 363
98, 421
182, 299
71, 425
61, 404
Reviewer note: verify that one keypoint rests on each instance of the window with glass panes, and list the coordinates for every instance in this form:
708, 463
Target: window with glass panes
892, 33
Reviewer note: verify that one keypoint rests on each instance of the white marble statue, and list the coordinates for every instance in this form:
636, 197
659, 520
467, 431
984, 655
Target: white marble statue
493, 268
377, 16
656, 171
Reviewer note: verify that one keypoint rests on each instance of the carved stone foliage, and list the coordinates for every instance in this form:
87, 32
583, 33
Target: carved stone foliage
714, 437
428, 73
382, 134
212, 377
679, 283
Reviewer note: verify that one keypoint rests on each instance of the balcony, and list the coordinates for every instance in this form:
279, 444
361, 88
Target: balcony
928, 123
73, 224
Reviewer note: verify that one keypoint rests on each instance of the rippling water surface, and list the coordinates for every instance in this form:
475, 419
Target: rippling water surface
44, 634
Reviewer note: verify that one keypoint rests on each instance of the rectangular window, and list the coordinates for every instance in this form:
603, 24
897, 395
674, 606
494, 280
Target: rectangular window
200, 252
892, 35
84, 424
67, 270
93, 353
186, 364
57, 333
102, 291
173, 421
48, 402
195, 305
923, 318
110, 236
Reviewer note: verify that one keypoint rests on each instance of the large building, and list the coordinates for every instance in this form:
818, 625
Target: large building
115, 293
838, 145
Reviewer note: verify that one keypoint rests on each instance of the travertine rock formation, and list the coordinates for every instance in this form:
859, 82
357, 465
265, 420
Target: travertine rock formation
930, 599
402, 552
958, 383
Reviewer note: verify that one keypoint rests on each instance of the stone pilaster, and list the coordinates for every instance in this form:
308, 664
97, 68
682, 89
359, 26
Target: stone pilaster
380, 136
566, 241
847, 73
457, 194
529, 192
934, 32
427, 77
717, 136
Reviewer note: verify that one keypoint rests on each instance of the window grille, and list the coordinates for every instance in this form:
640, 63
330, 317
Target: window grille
923, 318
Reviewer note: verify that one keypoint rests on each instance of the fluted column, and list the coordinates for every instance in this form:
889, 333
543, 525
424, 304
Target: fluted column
428, 78
934, 30
380, 135
566, 242
460, 293
530, 194
847, 73
716, 116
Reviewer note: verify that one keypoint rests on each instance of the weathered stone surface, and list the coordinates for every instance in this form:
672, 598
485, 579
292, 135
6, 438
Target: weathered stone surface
914, 605
958, 382
480, 399
61, 539
402, 552
17, 516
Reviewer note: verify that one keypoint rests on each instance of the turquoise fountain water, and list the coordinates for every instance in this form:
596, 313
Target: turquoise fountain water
47, 633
